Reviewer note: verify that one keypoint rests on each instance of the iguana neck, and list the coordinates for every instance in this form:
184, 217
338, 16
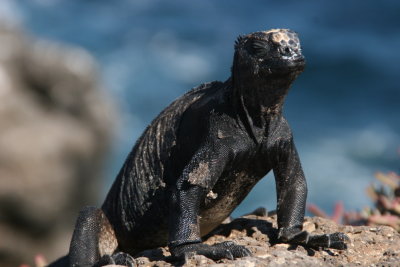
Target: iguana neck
260, 96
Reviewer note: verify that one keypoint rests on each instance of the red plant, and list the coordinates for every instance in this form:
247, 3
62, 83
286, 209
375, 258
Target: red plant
386, 210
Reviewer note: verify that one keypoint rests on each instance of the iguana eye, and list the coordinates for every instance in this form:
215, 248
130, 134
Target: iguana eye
259, 48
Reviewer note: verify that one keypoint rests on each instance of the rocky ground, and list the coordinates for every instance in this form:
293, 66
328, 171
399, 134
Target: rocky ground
369, 246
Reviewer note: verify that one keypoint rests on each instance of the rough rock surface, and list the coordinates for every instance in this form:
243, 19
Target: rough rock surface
55, 130
370, 246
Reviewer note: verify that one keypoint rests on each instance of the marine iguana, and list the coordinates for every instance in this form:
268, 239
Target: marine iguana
199, 159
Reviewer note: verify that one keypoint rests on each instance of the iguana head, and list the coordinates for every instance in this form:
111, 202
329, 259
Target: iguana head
269, 52
265, 65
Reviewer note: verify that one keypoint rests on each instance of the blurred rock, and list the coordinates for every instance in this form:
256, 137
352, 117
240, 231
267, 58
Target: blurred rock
56, 126
370, 246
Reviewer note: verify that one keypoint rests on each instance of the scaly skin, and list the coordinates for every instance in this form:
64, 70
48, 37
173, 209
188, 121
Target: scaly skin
199, 159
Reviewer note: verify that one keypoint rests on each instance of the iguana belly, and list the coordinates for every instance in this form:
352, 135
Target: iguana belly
226, 195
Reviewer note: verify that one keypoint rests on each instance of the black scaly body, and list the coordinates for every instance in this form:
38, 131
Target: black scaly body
199, 159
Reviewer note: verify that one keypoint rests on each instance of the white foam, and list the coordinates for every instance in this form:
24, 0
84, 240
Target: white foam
181, 61
9, 13
340, 167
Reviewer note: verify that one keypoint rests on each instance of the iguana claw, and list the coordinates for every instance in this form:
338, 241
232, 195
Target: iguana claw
224, 250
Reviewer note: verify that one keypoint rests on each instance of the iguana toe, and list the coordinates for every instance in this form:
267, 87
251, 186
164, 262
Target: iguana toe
225, 250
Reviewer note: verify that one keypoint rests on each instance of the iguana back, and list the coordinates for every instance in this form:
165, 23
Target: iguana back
144, 170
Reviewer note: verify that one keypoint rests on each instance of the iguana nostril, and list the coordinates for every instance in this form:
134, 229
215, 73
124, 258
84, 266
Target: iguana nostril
287, 50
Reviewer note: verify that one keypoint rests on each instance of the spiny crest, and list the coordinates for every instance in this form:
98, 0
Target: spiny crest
239, 41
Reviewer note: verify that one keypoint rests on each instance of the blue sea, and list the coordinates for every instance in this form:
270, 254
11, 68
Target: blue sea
344, 109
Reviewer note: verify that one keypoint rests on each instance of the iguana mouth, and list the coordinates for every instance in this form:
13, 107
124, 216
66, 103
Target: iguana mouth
296, 61
286, 63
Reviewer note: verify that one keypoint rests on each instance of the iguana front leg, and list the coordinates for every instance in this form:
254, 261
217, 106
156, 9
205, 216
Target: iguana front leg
292, 193
184, 235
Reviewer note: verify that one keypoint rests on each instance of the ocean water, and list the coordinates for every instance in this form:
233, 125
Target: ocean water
344, 109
